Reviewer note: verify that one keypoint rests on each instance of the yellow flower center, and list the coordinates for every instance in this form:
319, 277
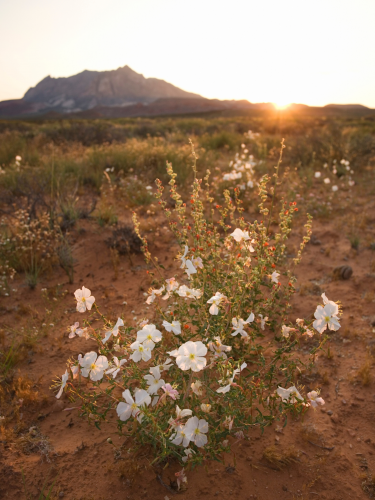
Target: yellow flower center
134, 406
197, 431
192, 356
149, 337
93, 366
327, 318
141, 348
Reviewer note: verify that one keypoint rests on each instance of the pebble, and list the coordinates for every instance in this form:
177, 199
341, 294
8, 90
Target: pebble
329, 412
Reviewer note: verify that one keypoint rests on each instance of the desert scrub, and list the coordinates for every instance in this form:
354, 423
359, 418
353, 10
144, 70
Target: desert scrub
219, 359
29, 244
6, 274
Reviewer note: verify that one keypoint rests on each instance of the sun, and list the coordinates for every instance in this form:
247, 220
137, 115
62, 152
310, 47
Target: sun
281, 104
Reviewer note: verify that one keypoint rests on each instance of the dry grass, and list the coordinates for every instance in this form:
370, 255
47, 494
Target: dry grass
364, 372
280, 458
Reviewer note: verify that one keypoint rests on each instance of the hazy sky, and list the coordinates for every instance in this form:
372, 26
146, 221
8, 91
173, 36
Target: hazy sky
313, 52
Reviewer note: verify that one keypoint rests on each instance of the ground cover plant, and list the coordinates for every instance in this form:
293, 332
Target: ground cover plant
225, 284
235, 272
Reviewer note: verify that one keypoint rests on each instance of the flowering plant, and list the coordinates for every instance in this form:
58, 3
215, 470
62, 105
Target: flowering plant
219, 359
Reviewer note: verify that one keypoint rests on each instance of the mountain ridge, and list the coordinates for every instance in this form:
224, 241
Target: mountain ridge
125, 93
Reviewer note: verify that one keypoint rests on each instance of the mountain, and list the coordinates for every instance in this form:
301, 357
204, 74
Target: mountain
123, 92
89, 89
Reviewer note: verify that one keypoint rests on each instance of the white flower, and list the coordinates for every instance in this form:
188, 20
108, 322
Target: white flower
285, 331
154, 380
140, 352
300, 322
172, 285
228, 381
275, 277
189, 454
289, 395
238, 325
263, 321
154, 293
75, 368
114, 330
64, 380
215, 301
118, 364
84, 299
196, 430
327, 180
174, 327
180, 414
309, 333
335, 188
196, 387
93, 365
205, 407
179, 437
75, 330
351, 183
18, 158
166, 365
197, 262
240, 235
148, 336
131, 407
191, 356
189, 293
183, 257
189, 268
326, 316
317, 175
315, 399
218, 348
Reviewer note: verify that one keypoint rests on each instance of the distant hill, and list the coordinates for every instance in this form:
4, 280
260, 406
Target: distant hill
125, 93
90, 89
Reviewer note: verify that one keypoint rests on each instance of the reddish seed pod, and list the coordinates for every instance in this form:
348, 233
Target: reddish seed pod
279, 283
238, 256
209, 244
186, 327
273, 265
296, 209
266, 244
189, 228
286, 212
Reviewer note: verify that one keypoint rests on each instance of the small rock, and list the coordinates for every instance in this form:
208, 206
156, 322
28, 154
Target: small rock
61, 494
344, 401
329, 412
314, 240
342, 272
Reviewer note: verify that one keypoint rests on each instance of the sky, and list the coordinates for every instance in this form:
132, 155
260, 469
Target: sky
303, 51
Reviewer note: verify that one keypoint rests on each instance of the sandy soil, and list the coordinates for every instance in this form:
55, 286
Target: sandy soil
335, 445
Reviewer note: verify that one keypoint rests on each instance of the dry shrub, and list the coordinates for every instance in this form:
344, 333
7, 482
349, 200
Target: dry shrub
129, 469
310, 289
280, 458
364, 372
24, 390
33, 441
